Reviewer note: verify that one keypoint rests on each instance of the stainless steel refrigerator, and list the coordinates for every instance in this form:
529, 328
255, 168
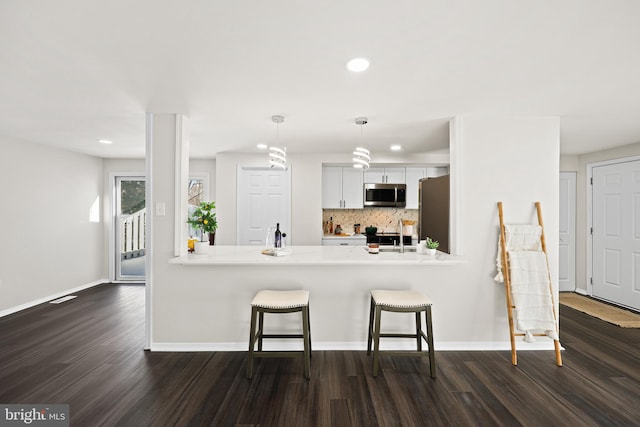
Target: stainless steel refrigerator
433, 205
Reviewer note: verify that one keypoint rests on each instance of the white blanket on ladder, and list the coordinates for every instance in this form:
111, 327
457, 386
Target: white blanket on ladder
531, 295
525, 237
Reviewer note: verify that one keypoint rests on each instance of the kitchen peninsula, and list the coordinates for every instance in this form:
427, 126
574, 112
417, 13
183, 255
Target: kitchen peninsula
217, 288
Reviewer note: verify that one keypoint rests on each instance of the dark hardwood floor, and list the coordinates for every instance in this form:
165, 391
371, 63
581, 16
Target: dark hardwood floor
88, 353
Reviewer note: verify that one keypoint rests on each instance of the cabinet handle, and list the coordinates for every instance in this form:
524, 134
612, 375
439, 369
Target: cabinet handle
344, 244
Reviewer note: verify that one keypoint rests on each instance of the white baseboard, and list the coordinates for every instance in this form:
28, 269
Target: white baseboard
541, 344
57, 295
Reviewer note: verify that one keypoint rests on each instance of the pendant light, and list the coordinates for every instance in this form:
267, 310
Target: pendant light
277, 155
361, 156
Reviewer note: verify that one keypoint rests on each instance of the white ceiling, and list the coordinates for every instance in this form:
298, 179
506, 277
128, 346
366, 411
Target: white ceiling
75, 71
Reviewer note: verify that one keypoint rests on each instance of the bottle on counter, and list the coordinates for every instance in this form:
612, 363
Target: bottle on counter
278, 237
330, 225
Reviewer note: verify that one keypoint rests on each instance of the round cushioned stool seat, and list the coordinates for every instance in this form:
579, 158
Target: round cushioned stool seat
400, 299
281, 299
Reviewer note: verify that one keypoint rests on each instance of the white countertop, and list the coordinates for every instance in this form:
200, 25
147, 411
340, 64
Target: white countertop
312, 255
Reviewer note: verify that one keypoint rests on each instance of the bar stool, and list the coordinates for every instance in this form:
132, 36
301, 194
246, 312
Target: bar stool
279, 302
404, 301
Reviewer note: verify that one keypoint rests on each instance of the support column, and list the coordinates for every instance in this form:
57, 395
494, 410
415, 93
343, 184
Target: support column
167, 170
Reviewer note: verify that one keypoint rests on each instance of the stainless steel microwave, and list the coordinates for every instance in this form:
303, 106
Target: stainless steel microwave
385, 195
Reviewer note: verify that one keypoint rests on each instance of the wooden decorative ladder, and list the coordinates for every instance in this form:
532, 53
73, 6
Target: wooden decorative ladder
507, 282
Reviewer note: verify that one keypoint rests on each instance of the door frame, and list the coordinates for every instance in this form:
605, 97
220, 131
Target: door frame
573, 215
589, 192
113, 227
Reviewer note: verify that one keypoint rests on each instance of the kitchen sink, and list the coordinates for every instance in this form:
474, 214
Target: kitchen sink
389, 248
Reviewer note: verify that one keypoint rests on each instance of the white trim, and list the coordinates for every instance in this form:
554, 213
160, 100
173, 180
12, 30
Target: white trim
148, 232
542, 344
455, 183
128, 282
204, 177
57, 295
589, 208
181, 183
571, 260
113, 228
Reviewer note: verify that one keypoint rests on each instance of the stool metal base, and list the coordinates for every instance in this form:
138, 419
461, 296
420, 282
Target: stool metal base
257, 313
375, 335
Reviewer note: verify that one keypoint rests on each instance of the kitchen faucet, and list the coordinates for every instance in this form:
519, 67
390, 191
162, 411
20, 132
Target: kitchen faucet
401, 236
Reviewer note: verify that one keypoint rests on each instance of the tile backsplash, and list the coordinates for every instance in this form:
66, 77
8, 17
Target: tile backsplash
386, 219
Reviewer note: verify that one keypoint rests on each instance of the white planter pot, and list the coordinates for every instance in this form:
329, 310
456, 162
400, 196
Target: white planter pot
201, 248
430, 252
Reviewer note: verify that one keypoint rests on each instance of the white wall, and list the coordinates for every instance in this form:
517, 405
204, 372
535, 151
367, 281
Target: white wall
569, 163
47, 243
509, 159
306, 199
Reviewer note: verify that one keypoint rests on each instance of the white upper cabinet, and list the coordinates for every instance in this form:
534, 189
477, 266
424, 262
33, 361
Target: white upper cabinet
413, 176
331, 187
352, 188
434, 172
385, 175
342, 188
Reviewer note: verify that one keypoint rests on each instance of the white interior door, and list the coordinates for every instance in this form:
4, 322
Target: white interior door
567, 246
616, 233
264, 199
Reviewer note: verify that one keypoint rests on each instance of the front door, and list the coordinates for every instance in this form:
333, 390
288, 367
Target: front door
616, 233
131, 215
264, 199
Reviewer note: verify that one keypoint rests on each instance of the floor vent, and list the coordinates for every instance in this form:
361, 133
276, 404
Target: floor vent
63, 299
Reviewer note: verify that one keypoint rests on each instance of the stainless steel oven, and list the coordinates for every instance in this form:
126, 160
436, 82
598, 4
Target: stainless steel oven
385, 195
391, 239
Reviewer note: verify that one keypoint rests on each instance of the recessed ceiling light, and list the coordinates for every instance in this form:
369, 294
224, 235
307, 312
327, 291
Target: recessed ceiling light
262, 146
396, 147
358, 65
105, 141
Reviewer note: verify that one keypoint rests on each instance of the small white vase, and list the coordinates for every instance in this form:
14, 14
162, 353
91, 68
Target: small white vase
201, 248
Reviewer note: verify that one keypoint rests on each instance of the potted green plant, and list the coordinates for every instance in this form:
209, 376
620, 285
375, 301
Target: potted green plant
204, 218
431, 245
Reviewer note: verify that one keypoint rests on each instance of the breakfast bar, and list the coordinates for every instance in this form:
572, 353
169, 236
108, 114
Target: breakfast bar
209, 305
315, 255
